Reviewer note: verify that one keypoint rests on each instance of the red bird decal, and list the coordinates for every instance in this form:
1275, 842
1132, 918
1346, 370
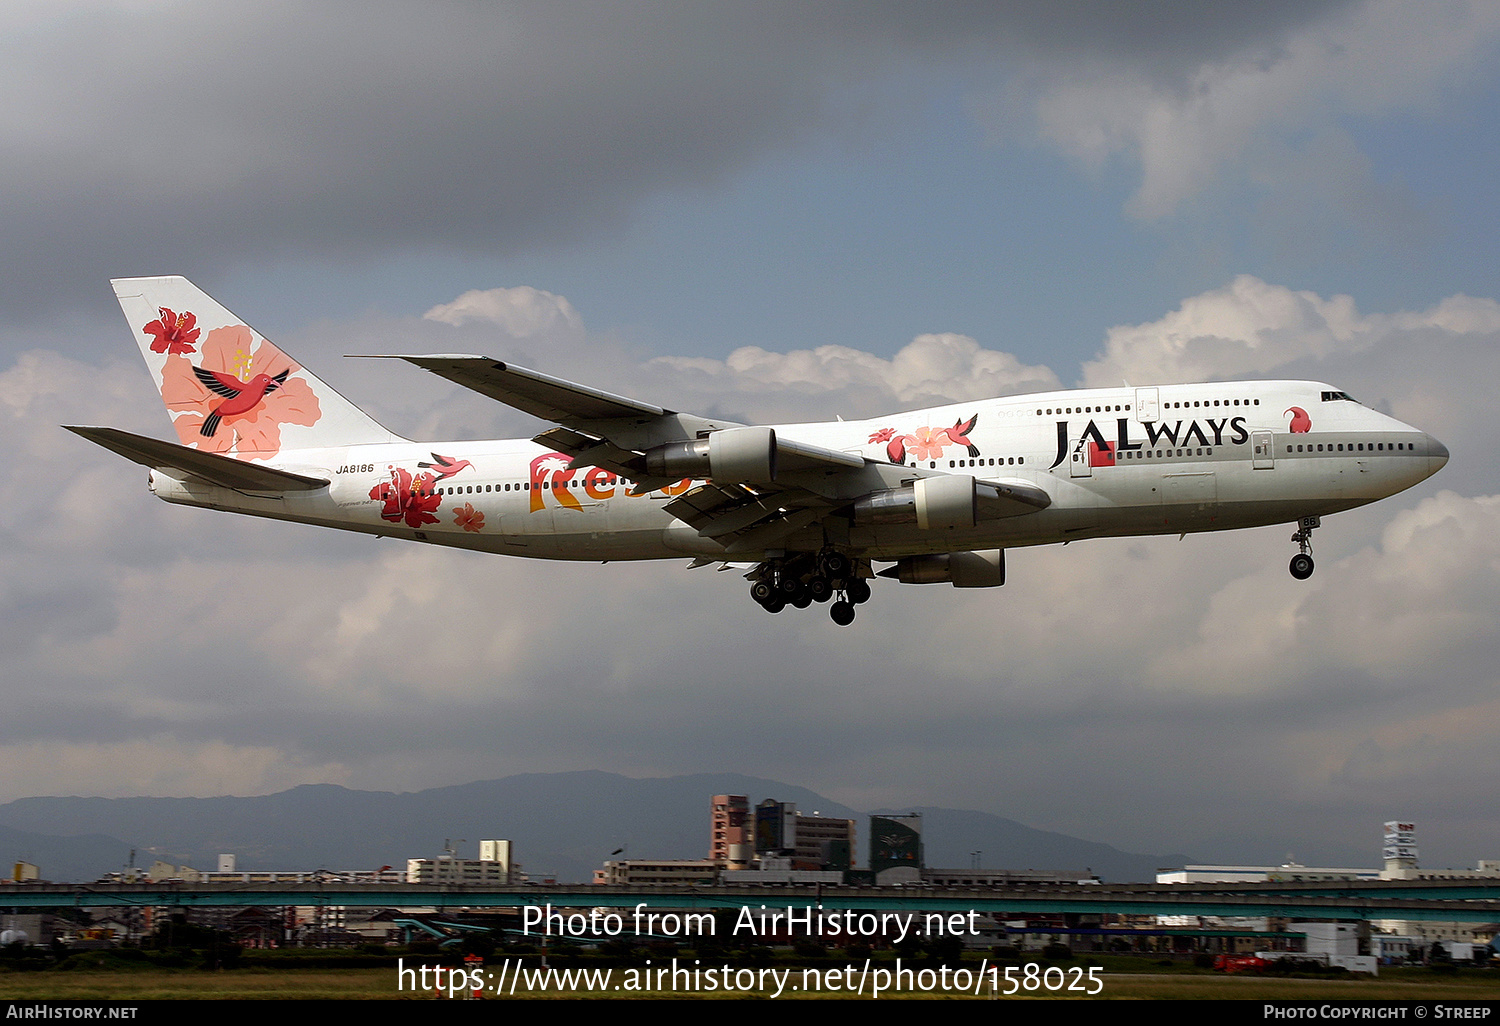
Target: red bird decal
959, 432
239, 396
1301, 422
446, 466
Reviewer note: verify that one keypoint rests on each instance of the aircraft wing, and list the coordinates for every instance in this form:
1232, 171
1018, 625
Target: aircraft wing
541, 395
210, 466
762, 487
603, 429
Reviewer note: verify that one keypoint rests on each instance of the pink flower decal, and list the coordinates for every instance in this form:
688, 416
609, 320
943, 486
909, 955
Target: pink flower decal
408, 499
238, 398
469, 518
927, 444
174, 334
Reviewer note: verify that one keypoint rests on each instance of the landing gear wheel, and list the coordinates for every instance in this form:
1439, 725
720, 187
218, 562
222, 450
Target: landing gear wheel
858, 590
821, 588
802, 597
762, 591
774, 604
835, 565
1302, 562
842, 613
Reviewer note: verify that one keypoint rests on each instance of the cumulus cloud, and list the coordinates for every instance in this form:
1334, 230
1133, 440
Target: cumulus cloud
1184, 130
1427, 367
929, 370
521, 311
1247, 328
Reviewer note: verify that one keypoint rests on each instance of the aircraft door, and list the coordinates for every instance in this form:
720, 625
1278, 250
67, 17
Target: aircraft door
1264, 448
1147, 405
1080, 465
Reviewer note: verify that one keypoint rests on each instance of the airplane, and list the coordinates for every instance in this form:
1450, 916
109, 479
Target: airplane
804, 509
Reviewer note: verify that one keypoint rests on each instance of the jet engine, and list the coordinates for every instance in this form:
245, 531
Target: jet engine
982, 569
933, 502
734, 454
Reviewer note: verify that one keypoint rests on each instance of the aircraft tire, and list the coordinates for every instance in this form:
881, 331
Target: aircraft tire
1302, 566
821, 588
842, 613
858, 590
774, 604
835, 565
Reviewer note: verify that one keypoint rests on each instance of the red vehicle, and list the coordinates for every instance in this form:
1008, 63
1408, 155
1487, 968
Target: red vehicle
1240, 964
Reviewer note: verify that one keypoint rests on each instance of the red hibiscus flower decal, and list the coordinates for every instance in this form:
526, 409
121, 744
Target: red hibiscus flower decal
469, 518
174, 333
407, 498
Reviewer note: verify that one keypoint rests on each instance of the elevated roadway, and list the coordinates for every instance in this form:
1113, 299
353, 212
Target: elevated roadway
1438, 900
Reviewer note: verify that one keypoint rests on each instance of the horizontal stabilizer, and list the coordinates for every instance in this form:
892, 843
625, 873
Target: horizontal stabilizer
224, 471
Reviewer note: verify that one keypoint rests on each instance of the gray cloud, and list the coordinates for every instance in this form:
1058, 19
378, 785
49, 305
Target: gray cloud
161, 136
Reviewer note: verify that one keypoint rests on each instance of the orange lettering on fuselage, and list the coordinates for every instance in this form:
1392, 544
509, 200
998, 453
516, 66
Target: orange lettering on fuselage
550, 473
598, 483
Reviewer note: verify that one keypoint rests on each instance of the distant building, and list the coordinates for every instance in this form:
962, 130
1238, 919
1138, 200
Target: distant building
1400, 849
1291, 872
729, 844
775, 828
662, 872
493, 868
824, 843
983, 879
896, 854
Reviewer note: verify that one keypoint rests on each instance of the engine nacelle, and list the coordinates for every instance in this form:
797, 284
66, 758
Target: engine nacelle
933, 502
734, 454
982, 569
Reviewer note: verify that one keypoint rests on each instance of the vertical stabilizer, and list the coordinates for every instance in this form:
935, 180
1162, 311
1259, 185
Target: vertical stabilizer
227, 389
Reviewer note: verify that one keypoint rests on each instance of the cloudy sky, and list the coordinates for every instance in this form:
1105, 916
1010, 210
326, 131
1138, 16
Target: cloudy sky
770, 211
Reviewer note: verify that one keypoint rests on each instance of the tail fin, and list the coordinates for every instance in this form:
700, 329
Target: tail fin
227, 389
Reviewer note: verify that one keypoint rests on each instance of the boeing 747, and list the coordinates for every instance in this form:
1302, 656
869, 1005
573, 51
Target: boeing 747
805, 509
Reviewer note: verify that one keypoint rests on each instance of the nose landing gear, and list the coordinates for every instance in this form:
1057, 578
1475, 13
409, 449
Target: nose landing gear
1302, 563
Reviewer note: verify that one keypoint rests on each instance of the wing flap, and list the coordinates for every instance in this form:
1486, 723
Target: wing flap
224, 471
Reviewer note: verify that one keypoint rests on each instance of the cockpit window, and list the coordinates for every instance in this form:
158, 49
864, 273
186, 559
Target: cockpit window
1329, 397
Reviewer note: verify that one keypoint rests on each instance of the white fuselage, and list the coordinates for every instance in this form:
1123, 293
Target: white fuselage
1122, 461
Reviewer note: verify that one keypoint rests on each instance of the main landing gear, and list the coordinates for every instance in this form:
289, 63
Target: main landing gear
1302, 562
802, 580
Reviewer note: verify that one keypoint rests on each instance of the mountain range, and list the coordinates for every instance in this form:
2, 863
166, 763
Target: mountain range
562, 826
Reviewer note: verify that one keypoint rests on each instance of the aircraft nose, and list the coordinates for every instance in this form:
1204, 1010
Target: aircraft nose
1437, 455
